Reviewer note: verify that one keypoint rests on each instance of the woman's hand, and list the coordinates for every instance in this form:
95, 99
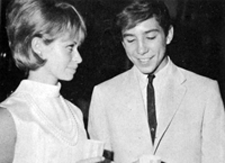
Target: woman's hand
91, 160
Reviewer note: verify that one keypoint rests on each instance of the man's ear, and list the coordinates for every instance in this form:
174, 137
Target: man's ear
37, 46
170, 34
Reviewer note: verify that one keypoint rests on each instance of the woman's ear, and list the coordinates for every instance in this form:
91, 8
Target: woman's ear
37, 46
170, 34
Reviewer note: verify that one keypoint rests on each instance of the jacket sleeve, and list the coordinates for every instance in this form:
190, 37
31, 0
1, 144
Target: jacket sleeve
98, 126
213, 129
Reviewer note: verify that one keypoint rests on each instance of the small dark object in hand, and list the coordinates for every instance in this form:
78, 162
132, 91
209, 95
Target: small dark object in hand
108, 155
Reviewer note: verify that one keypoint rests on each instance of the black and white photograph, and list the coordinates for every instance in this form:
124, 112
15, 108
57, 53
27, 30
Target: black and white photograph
112, 81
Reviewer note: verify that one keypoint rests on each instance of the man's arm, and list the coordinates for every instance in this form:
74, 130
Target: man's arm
213, 129
7, 136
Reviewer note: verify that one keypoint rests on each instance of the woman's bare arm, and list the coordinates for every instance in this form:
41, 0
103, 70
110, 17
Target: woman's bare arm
7, 136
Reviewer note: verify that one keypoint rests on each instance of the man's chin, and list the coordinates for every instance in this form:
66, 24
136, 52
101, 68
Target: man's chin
146, 70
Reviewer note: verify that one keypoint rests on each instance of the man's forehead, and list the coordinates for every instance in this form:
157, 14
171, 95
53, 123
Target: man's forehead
147, 26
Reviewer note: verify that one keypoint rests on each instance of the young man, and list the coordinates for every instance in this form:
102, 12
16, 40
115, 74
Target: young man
189, 122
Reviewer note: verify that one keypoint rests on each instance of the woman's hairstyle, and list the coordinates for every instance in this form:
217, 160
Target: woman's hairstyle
138, 11
47, 19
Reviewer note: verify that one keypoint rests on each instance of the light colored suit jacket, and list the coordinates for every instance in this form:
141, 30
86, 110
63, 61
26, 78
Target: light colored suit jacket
191, 128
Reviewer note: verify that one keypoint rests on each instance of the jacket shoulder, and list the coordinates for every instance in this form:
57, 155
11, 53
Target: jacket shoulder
199, 81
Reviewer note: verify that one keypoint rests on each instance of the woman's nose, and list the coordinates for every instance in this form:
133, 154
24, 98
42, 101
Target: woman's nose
77, 57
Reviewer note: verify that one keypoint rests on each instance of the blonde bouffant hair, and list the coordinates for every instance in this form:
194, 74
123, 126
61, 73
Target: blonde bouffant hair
47, 19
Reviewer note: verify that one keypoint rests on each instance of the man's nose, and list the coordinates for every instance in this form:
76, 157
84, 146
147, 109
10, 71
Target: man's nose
141, 48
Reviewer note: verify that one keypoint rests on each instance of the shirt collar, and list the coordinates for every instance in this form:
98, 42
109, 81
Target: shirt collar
39, 89
163, 73
160, 76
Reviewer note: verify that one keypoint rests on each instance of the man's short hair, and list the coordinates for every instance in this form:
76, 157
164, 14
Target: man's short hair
137, 11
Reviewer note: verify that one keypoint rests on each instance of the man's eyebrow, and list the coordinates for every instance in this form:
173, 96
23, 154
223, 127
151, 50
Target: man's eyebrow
146, 32
151, 30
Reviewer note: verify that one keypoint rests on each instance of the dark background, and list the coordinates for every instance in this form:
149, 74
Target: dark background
198, 45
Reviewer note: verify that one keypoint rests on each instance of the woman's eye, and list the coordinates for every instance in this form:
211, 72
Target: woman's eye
70, 48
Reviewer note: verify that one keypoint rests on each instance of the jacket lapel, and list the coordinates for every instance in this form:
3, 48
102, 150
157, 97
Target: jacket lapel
171, 97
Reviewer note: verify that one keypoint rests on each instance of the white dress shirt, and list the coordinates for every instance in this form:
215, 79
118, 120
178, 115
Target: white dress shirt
158, 83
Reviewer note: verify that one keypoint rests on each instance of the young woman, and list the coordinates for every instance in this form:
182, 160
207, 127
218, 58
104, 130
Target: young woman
36, 123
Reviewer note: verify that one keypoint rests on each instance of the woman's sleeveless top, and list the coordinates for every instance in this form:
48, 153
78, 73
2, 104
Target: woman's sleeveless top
49, 128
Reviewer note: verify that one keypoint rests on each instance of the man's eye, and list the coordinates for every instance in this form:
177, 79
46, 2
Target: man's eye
151, 38
130, 41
